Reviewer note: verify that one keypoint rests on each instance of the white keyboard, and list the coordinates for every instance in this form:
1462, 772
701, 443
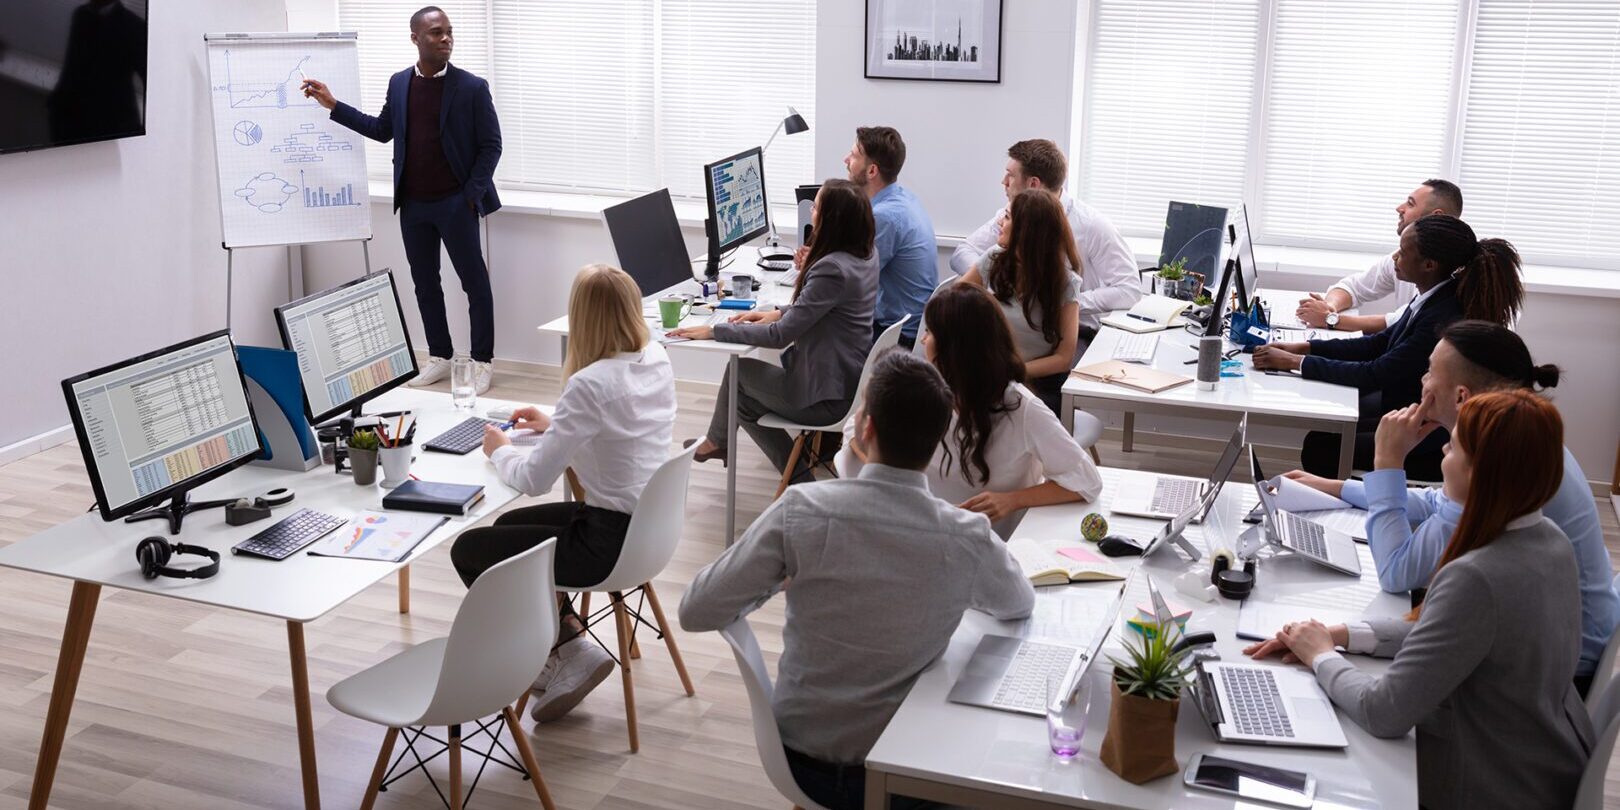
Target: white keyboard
1023, 686
1136, 348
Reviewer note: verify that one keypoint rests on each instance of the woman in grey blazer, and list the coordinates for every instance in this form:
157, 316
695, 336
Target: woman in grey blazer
826, 331
1484, 667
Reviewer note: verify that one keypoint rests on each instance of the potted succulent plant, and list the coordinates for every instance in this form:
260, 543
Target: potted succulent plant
363, 456
1141, 740
1176, 281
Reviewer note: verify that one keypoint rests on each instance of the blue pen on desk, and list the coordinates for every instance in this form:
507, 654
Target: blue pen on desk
509, 425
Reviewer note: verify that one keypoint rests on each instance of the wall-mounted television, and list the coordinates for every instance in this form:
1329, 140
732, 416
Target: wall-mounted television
71, 71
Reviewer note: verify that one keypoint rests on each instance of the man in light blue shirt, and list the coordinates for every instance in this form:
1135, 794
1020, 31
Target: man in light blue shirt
1408, 530
908, 256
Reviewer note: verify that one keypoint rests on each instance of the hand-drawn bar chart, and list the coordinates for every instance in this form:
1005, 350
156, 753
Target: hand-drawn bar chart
318, 197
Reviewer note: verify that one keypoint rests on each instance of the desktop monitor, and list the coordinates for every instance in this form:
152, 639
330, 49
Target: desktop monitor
156, 426
736, 192
1243, 249
351, 343
647, 239
1195, 233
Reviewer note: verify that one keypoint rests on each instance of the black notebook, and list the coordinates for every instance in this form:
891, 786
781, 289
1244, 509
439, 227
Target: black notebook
428, 496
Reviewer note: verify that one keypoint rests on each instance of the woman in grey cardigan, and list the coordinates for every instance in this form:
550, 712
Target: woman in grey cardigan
1484, 667
826, 332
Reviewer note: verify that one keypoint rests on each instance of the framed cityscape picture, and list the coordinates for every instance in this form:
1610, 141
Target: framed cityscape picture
934, 40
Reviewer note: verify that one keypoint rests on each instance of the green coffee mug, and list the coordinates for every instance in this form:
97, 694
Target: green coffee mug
672, 310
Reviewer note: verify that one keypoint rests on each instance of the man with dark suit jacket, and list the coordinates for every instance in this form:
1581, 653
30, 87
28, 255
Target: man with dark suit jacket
447, 141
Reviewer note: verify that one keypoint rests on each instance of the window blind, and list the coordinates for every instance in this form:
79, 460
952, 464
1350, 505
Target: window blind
1541, 138
1357, 105
1167, 107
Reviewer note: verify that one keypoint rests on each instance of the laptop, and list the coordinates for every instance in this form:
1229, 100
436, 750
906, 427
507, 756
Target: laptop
1327, 547
1265, 704
1167, 496
1010, 674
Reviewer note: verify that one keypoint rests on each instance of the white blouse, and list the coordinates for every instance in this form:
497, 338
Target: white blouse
1027, 446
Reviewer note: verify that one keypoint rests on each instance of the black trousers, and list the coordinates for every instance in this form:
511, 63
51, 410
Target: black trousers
839, 787
1319, 455
424, 225
588, 542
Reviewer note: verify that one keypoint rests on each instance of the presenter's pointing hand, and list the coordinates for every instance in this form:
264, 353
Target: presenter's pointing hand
317, 90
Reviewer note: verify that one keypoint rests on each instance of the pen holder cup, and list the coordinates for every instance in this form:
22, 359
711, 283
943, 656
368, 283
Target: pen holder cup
396, 465
364, 465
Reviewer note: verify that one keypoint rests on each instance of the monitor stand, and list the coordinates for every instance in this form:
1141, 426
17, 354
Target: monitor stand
176, 510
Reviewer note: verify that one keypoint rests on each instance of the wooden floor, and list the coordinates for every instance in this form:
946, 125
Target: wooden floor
182, 706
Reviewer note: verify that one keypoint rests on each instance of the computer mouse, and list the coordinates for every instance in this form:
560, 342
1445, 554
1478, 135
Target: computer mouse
1114, 545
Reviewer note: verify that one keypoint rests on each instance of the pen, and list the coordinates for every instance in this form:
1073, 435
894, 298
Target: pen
1140, 317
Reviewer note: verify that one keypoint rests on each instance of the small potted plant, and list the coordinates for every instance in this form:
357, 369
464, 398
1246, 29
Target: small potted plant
363, 447
1141, 740
1176, 281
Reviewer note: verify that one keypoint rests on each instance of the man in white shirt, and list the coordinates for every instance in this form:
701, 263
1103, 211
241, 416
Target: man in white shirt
1108, 276
1378, 281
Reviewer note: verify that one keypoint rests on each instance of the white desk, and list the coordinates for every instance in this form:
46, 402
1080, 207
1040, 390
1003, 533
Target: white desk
1283, 400
771, 291
980, 757
299, 589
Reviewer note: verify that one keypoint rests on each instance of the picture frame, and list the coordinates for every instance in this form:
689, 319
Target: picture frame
934, 40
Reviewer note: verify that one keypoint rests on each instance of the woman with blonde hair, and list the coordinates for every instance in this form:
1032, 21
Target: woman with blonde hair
613, 425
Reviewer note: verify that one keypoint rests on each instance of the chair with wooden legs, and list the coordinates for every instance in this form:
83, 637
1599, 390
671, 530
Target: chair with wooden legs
649, 543
812, 433
767, 736
501, 636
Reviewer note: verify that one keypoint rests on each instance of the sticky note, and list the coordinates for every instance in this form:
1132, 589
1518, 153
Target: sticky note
1081, 555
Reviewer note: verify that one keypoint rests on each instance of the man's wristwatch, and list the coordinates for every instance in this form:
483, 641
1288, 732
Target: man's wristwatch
1333, 319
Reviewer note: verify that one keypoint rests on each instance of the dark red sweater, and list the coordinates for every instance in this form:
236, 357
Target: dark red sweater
427, 174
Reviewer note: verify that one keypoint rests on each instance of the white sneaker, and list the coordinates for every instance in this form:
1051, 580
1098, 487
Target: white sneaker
579, 666
482, 372
436, 369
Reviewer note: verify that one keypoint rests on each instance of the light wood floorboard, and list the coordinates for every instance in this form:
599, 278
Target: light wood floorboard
184, 706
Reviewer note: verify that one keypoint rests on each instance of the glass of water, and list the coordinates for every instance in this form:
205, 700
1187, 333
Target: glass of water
1067, 706
463, 382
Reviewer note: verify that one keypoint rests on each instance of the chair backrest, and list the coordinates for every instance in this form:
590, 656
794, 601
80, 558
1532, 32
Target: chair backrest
500, 640
886, 341
922, 328
1589, 796
767, 737
655, 526
1605, 667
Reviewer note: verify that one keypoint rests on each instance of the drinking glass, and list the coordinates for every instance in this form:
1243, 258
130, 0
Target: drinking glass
463, 382
1066, 709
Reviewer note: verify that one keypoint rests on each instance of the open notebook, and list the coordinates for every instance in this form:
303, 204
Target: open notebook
1151, 314
1059, 562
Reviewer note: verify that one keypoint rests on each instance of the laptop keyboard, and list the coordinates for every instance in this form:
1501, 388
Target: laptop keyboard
1307, 537
288, 535
1023, 685
1172, 496
463, 438
1256, 702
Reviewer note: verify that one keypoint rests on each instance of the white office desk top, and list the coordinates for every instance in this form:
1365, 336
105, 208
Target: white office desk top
1256, 392
300, 588
987, 750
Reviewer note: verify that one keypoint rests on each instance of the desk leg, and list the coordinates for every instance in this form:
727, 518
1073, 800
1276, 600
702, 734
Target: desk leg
75, 638
731, 453
405, 589
1130, 432
1347, 450
1067, 415
877, 790
306, 724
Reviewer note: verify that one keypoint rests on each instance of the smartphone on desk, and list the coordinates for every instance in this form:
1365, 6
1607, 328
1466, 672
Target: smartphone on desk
1247, 780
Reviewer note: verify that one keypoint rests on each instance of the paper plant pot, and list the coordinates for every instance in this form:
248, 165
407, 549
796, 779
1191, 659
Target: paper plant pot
1141, 741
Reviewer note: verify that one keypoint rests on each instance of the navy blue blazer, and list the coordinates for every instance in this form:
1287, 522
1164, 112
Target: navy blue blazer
1393, 361
471, 132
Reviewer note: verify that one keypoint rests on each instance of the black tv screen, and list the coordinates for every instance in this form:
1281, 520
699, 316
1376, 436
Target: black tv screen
71, 71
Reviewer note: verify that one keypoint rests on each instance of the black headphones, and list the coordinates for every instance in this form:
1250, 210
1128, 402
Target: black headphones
1232, 583
154, 552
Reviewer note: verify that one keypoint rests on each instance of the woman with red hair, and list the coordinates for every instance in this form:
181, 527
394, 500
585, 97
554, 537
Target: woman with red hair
1484, 667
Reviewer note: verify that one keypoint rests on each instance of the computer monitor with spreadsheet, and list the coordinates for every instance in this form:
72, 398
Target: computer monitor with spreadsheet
351, 342
736, 192
156, 426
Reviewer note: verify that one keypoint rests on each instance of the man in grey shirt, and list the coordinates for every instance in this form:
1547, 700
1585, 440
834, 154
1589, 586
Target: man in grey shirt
881, 572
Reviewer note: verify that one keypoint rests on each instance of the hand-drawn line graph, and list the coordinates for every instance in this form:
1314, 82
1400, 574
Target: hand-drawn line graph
280, 95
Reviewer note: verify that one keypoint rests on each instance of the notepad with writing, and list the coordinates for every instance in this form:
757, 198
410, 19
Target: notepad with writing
1131, 375
1151, 314
430, 496
1059, 562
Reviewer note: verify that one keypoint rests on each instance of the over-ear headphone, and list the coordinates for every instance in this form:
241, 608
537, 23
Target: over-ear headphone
154, 552
1232, 583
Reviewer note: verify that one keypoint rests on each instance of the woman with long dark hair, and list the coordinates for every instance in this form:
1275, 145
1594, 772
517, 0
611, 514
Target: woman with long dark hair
1004, 451
1457, 276
1034, 273
1484, 667
828, 327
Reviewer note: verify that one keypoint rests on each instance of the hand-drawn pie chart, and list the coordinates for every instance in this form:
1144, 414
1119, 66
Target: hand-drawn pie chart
247, 133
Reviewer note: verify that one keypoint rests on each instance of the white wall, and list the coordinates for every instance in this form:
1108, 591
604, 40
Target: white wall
956, 133
113, 249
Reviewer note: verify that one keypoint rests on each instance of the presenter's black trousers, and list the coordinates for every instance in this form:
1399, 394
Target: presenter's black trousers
425, 225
